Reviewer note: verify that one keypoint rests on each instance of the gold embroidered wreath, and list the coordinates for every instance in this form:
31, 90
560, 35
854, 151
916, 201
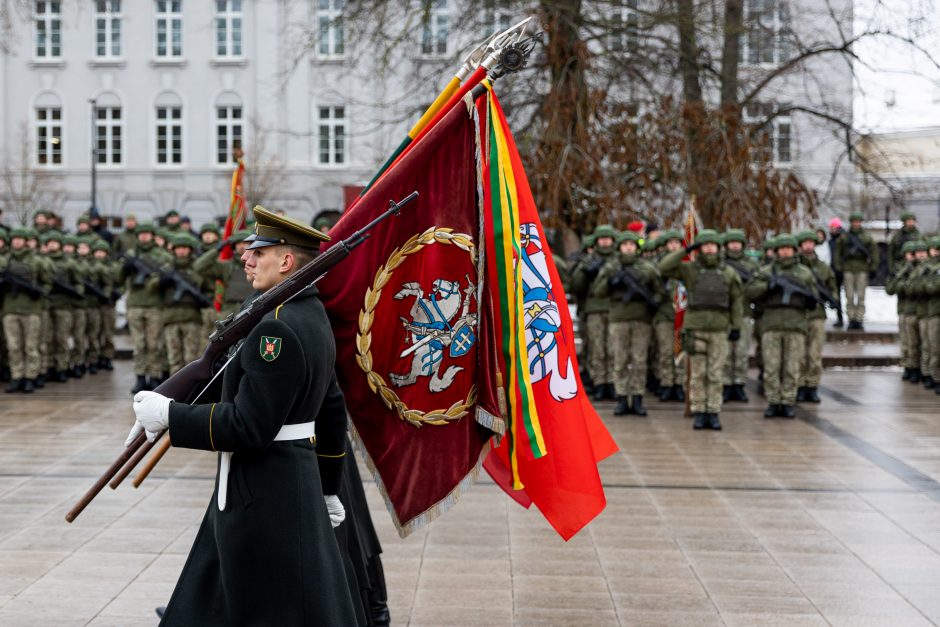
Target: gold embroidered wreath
433, 235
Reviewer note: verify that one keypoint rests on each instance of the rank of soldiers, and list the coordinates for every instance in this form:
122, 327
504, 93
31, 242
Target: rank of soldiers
59, 293
629, 292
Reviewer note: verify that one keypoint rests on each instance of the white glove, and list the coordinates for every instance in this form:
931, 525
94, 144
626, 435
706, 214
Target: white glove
153, 415
335, 509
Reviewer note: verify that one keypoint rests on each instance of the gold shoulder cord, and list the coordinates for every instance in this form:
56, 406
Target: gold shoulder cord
211, 411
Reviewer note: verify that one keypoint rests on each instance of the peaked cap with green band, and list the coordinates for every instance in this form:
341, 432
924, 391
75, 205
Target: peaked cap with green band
274, 230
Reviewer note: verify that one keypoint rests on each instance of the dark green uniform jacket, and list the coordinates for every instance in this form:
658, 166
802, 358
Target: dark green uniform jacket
636, 308
715, 301
231, 273
895, 256
932, 290
144, 294
583, 278
851, 257
780, 316
822, 275
29, 267
897, 284
186, 309
916, 288
270, 558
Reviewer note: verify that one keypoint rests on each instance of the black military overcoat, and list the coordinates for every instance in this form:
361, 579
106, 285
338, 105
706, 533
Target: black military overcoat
270, 558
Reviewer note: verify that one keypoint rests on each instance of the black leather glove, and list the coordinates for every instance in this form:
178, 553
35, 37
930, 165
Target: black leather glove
734, 335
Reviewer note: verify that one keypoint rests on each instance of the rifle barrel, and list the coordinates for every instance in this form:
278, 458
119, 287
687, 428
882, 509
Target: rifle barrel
104, 478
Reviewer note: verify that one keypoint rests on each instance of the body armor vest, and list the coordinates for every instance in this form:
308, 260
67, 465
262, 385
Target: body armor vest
20, 269
238, 288
710, 291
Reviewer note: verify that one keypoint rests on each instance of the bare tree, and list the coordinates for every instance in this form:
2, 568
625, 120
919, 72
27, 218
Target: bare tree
264, 170
26, 188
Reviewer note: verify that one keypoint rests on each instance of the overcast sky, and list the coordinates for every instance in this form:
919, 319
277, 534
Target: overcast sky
898, 87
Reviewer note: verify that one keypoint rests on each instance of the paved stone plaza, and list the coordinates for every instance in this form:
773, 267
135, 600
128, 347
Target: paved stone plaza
833, 518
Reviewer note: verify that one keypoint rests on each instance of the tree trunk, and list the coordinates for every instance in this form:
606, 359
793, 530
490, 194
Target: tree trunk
730, 53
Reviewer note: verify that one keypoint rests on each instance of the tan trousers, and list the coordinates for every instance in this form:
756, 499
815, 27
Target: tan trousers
707, 352
812, 365
855, 284
22, 335
146, 325
911, 338
599, 354
669, 372
630, 344
783, 357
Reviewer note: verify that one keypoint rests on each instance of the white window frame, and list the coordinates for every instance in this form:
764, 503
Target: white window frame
624, 25
111, 129
336, 135
172, 126
229, 19
331, 30
44, 132
108, 20
172, 21
47, 19
779, 130
772, 28
495, 16
234, 129
437, 23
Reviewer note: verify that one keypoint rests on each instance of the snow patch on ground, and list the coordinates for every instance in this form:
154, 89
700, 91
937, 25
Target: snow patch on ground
880, 308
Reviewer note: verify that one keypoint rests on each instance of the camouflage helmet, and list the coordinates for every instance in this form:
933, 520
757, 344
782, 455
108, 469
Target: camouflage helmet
734, 235
856, 216
708, 236
52, 236
241, 236
784, 240
19, 231
70, 240
83, 219
802, 236
100, 244
908, 215
146, 227
587, 241
627, 236
908, 247
181, 239
919, 245
209, 227
934, 241
665, 236
604, 230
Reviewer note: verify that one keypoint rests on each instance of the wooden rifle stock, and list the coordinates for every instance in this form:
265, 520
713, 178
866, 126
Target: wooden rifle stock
187, 384
152, 462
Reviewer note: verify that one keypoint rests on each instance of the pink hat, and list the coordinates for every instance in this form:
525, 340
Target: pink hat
835, 223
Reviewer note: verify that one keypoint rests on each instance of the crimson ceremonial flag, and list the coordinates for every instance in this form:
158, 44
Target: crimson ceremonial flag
555, 438
412, 319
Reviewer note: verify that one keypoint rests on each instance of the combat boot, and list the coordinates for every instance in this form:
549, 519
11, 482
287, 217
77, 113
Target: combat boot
812, 395
800, 394
141, 384
28, 386
623, 407
907, 375
936, 390
699, 420
14, 386
929, 382
599, 392
610, 394
713, 423
772, 411
40, 381
106, 364
92, 368
725, 393
60, 376
4, 374
678, 393
738, 393
637, 407
787, 411
915, 375
665, 392
75, 372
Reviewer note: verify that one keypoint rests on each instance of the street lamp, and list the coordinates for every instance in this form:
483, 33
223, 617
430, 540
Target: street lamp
94, 154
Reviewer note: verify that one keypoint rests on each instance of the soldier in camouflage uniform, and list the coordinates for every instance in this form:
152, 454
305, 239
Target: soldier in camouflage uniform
237, 287
734, 376
107, 273
907, 314
209, 235
22, 311
182, 329
64, 272
91, 305
907, 233
712, 318
815, 318
79, 317
45, 322
127, 240
856, 256
669, 370
787, 291
915, 289
634, 290
932, 290
596, 311
144, 316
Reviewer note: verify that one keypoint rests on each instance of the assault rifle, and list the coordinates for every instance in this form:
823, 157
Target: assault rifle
633, 288
65, 289
594, 266
789, 288
741, 270
16, 283
183, 287
857, 246
96, 291
188, 383
142, 268
827, 297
